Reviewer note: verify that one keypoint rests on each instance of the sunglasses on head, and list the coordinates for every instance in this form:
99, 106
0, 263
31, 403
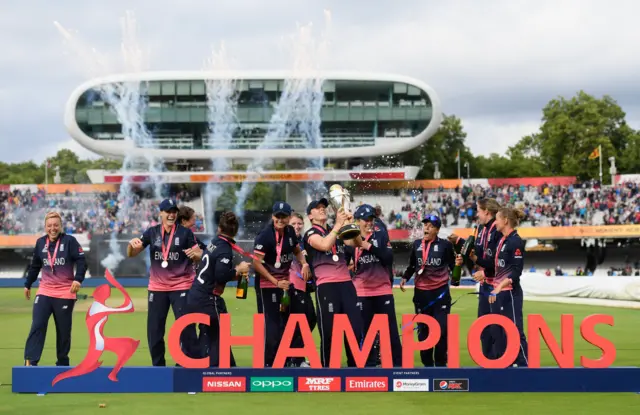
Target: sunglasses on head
431, 218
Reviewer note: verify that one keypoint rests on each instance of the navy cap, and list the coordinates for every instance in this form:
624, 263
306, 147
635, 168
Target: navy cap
315, 203
167, 205
364, 212
282, 207
432, 219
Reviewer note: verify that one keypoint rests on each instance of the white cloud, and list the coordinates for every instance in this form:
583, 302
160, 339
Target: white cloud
494, 64
486, 135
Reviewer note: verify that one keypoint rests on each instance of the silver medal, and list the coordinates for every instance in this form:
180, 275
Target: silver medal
165, 264
335, 258
278, 264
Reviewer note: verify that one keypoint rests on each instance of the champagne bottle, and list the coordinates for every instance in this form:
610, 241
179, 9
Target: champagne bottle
285, 301
241, 290
455, 275
469, 243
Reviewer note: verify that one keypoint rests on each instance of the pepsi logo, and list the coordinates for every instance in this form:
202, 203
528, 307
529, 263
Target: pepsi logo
444, 384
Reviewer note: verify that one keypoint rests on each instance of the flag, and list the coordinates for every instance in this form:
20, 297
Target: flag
458, 156
595, 153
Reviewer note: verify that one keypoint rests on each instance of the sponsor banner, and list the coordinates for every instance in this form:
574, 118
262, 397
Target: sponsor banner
411, 385
271, 176
77, 188
391, 175
367, 384
569, 232
410, 184
451, 385
29, 241
224, 384
319, 384
269, 384
18, 241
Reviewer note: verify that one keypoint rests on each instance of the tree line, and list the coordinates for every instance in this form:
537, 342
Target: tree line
570, 130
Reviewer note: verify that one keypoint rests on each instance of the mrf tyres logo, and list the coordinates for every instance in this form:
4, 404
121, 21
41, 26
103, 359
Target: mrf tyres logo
328, 384
271, 385
451, 385
96, 318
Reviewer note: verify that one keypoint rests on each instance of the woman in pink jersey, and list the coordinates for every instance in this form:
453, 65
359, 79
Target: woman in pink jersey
432, 260
372, 260
173, 249
507, 296
335, 292
300, 291
56, 254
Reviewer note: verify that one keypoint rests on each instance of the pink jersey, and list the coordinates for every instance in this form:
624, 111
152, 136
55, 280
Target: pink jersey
179, 273
57, 260
329, 266
372, 274
432, 261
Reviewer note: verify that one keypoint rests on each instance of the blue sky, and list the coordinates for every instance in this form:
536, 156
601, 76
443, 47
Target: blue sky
495, 64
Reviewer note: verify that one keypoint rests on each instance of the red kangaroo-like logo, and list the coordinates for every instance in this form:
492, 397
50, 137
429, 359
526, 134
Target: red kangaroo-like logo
96, 319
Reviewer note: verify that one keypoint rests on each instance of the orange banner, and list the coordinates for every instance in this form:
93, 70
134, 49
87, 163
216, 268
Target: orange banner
18, 241
78, 188
570, 232
411, 184
267, 177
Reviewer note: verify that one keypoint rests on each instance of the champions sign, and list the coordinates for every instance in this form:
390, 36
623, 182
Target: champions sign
563, 351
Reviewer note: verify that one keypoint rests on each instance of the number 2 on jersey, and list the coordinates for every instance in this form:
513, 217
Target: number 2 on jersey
204, 258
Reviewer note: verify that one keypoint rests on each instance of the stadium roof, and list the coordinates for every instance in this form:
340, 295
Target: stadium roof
120, 148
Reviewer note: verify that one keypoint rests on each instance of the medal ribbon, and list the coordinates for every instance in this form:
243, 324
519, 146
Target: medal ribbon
165, 250
359, 252
486, 241
323, 231
498, 252
279, 246
425, 254
240, 250
51, 259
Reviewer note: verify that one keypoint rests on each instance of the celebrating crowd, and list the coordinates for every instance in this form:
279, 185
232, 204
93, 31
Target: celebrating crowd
574, 205
581, 204
21, 212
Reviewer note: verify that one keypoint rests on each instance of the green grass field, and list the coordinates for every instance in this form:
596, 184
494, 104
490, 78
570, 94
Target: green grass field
15, 318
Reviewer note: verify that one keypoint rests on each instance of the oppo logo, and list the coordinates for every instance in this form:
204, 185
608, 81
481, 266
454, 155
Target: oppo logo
271, 383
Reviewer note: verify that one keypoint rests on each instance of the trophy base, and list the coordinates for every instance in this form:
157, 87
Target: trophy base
348, 232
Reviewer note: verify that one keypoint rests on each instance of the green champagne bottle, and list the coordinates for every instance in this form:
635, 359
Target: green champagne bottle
241, 290
455, 275
285, 301
469, 244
